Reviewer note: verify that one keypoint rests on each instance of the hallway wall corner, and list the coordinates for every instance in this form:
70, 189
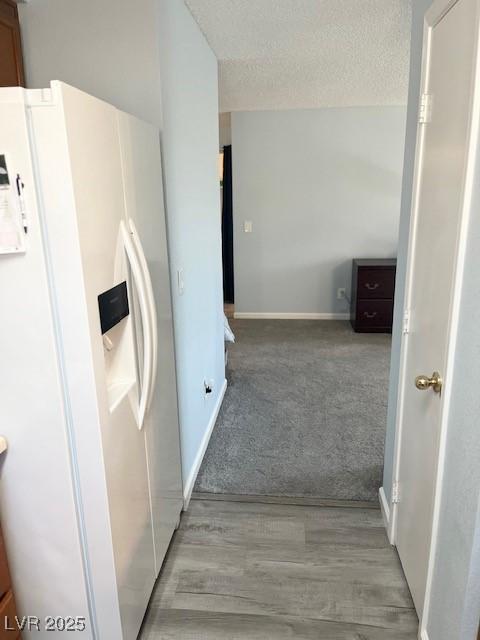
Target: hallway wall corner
192, 476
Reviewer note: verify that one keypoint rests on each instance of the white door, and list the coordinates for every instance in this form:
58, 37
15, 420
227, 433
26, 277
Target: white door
441, 204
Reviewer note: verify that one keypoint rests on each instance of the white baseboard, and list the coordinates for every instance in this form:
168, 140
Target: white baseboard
253, 315
385, 507
192, 476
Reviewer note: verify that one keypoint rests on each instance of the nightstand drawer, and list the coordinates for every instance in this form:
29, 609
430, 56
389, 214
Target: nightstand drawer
374, 314
376, 283
372, 293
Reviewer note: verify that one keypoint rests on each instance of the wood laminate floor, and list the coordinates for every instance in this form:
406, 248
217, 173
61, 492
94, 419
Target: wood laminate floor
260, 571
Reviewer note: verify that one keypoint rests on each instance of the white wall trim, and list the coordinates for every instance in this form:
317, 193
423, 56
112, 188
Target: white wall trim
272, 315
385, 507
192, 476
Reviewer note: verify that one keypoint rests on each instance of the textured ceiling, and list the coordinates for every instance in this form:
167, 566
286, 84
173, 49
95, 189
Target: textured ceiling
284, 54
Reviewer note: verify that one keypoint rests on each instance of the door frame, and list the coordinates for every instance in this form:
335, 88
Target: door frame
435, 13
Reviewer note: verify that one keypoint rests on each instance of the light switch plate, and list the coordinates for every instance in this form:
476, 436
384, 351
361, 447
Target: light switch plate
248, 226
180, 282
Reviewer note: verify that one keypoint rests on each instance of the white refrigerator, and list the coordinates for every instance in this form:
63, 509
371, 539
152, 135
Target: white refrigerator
90, 486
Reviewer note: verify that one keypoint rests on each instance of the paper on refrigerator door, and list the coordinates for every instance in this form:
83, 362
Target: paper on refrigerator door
12, 232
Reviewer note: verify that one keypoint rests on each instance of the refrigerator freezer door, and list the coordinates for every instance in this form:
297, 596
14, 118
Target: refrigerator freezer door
142, 176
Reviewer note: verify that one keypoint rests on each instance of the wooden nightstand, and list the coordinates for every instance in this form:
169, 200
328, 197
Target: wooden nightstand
373, 290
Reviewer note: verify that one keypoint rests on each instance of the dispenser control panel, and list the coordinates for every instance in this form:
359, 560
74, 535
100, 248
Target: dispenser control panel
113, 306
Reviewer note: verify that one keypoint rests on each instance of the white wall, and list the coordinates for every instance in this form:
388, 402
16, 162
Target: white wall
321, 186
455, 606
190, 149
107, 48
118, 50
225, 122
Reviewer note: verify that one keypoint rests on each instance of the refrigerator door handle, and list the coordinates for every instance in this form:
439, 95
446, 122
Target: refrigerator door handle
143, 303
151, 305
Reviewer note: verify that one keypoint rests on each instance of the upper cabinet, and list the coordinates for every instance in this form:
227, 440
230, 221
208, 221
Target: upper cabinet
11, 62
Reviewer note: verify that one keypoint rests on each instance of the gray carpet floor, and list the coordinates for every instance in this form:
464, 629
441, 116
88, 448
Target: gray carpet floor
304, 413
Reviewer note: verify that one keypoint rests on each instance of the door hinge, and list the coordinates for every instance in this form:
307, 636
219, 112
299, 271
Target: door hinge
395, 493
425, 110
406, 321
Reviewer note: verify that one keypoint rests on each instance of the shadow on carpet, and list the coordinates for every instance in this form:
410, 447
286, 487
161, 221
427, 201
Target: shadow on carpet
304, 413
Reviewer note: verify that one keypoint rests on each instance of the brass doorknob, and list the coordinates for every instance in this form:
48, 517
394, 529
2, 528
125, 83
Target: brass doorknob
424, 382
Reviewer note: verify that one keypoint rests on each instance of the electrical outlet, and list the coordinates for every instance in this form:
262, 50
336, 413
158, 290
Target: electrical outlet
208, 386
341, 293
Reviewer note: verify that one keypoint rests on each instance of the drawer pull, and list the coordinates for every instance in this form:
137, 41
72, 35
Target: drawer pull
372, 287
368, 314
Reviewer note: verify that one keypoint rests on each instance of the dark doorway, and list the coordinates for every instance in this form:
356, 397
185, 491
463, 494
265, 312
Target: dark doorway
227, 227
